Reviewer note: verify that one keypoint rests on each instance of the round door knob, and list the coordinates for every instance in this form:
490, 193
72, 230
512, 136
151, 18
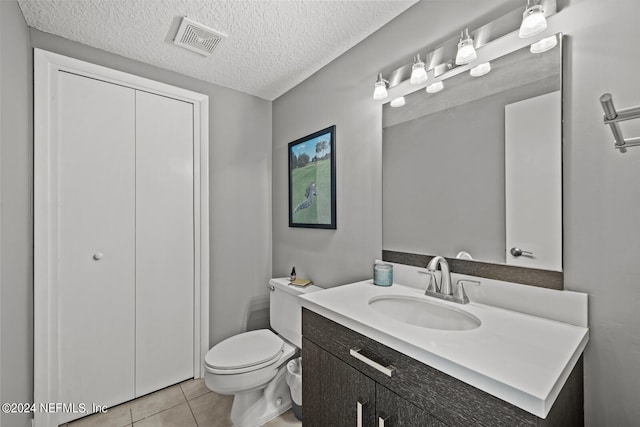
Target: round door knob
516, 252
98, 256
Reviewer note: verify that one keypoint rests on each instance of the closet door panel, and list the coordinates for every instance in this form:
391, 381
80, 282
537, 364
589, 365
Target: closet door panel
164, 242
96, 264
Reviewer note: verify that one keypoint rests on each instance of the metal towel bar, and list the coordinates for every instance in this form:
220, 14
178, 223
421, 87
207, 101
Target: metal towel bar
612, 117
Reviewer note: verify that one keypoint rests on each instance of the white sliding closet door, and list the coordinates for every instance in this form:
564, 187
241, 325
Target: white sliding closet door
96, 235
164, 242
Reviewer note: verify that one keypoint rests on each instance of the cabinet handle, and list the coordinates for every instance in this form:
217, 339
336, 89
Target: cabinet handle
360, 409
387, 370
381, 421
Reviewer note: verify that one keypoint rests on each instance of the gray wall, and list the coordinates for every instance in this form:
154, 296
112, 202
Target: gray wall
602, 204
601, 195
16, 369
340, 94
240, 197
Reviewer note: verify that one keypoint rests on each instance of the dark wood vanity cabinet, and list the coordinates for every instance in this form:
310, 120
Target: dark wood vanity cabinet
339, 391
398, 412
342, 394
336, 387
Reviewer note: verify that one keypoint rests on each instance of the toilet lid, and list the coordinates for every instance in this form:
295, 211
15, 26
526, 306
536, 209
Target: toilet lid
244, 350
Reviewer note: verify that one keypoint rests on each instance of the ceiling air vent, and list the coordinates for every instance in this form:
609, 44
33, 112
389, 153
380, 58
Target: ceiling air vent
196, 37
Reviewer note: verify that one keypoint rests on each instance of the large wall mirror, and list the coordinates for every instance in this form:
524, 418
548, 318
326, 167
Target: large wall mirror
474, 172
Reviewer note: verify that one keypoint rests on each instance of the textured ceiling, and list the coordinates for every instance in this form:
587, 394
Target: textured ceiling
271, 46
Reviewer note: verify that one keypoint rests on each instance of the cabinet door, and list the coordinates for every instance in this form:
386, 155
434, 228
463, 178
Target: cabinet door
96, 259
394, 411
164, 242
333, 393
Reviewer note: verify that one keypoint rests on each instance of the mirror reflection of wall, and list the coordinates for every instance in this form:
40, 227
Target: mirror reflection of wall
444, 166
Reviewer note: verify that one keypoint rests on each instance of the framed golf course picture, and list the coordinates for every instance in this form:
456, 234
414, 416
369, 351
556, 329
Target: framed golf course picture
312, 180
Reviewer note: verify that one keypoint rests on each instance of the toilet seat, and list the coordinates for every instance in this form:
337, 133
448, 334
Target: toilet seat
244, 352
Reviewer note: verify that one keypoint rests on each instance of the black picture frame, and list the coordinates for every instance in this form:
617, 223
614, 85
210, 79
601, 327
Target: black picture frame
312, 180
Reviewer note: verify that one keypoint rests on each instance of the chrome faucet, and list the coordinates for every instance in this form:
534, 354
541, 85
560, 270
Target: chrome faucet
444, 287
444, 290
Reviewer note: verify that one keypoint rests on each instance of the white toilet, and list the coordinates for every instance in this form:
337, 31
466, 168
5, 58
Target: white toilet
252, 365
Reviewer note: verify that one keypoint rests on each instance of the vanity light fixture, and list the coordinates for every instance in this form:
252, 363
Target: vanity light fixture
544, 45
398, 102
441, 62
435, 87
380, 90
480, 69
418, 71
466, 51
533, 20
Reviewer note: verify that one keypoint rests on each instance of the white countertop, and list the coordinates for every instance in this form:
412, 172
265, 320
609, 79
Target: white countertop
522, 359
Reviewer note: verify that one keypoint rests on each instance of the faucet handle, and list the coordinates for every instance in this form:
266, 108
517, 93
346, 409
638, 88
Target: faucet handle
433, 280
461, 295
469, 282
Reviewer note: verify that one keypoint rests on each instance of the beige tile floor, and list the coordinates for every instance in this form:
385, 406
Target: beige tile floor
188, 404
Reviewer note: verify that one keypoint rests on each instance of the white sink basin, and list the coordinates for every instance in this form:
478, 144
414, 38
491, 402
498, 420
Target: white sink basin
424, 313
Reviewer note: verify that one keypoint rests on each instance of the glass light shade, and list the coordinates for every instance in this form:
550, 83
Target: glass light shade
533, 21
398, 102
380, 92
481, 69
466, 51
380, 89
435, 87
418, 74
418, 71
544, 45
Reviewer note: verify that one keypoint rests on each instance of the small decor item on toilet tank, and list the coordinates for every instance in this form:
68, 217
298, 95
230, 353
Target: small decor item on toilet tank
296, 281
382, 274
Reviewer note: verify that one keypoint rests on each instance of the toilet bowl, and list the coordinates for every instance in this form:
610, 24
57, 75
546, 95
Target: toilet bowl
252, 365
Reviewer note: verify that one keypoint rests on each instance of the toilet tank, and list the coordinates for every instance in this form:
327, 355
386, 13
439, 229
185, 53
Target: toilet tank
285, 311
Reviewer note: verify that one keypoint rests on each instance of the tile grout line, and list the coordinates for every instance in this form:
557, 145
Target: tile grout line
189, 406
207, 391
159, 412
163, 410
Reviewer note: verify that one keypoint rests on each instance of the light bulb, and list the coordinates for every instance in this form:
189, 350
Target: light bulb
466, 51
481, 69
418, 72
544, 45
435, 87
398, 102
380, 89
533, 21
